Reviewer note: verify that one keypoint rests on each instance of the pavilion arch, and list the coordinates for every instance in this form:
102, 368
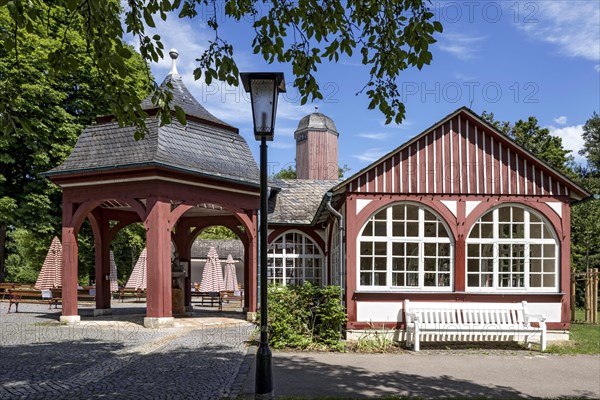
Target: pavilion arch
405, 246
181, 221
295, 257
514, 248
188, 229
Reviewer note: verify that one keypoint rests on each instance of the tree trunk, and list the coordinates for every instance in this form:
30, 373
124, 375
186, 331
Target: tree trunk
2, 252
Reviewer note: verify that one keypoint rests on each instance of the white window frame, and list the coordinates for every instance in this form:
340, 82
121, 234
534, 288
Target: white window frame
421, 240
527, 241
302, 257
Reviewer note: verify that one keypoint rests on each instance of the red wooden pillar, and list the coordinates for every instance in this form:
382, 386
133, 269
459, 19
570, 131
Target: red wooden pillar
158, 241
565, 266
352, 231
251, 267
101, 230
69, 266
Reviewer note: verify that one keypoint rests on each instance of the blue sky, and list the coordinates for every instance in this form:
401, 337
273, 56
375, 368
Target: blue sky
513, 58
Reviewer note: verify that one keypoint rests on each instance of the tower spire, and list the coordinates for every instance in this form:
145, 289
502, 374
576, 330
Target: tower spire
173, 54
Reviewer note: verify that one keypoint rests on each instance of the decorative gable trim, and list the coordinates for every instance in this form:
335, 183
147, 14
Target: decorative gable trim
462, 154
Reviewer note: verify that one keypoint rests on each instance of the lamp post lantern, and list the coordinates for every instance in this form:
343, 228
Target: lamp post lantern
264, 89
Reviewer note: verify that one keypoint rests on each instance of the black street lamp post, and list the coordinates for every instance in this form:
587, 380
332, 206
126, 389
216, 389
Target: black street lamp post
264, 89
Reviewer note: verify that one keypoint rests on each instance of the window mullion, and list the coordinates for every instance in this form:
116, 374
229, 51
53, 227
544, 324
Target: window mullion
526, 235
496, 247
421, 216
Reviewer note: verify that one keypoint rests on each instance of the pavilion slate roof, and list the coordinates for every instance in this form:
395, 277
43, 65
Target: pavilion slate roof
184, 99
210, 149
200, 248
297, 200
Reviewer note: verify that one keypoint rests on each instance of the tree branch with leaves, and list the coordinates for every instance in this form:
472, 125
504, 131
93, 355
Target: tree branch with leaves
390, 36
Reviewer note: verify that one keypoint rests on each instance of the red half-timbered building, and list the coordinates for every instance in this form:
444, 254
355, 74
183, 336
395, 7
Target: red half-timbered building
458, 213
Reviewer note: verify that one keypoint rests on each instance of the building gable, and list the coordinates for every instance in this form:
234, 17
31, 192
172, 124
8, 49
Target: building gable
462, 155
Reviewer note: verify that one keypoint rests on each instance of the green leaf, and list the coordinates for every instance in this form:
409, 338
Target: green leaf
180, 115
148, 18
124, 52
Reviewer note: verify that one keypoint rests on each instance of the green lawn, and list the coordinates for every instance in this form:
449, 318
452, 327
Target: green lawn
585, 338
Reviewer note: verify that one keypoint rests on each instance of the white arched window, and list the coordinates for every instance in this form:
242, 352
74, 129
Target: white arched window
293, 259
405, 246
512, 248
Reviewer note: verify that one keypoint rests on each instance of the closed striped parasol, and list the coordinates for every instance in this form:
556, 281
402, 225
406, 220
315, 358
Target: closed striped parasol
114, 285
212, 276
50, 275
231, 282
137, 279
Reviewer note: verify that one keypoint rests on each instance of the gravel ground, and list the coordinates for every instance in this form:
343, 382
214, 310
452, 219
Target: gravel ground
115, 355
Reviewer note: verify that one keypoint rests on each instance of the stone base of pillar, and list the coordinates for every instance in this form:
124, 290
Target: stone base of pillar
251, 316
70, 319
157, 323
102, 311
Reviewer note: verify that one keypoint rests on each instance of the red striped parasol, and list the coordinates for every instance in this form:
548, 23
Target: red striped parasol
50, 275
137, 279
114, 285
231, 282
212, 276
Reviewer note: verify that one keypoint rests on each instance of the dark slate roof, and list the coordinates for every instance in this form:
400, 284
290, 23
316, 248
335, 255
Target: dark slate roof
200, 248
317, 121
209, 149
297, 200
184, 99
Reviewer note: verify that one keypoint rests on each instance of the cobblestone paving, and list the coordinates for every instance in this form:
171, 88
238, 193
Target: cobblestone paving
114, 356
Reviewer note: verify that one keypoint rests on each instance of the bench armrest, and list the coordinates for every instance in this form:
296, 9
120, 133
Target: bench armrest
412, 316
535, 318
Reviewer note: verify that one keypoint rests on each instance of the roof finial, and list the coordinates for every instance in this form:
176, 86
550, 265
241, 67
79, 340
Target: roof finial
316, 109
174, 54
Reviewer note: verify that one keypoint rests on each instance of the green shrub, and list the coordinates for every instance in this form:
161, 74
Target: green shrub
305, 316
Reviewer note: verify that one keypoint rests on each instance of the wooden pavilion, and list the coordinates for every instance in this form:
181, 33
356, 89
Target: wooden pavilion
177, 181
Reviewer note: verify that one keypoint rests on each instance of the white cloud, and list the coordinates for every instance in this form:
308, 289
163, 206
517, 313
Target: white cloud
461, 46
597, 67
572, 137
188, 37
374, 135
372, 154
572, 26
561, 120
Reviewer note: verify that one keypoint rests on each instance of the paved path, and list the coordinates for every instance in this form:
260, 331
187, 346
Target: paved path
206, 357
514, 374
110, 357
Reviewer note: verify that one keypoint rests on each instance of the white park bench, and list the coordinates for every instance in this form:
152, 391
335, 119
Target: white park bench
454, 321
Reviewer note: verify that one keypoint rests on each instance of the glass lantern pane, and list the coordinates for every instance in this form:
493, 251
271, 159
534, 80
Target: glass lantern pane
263, 95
